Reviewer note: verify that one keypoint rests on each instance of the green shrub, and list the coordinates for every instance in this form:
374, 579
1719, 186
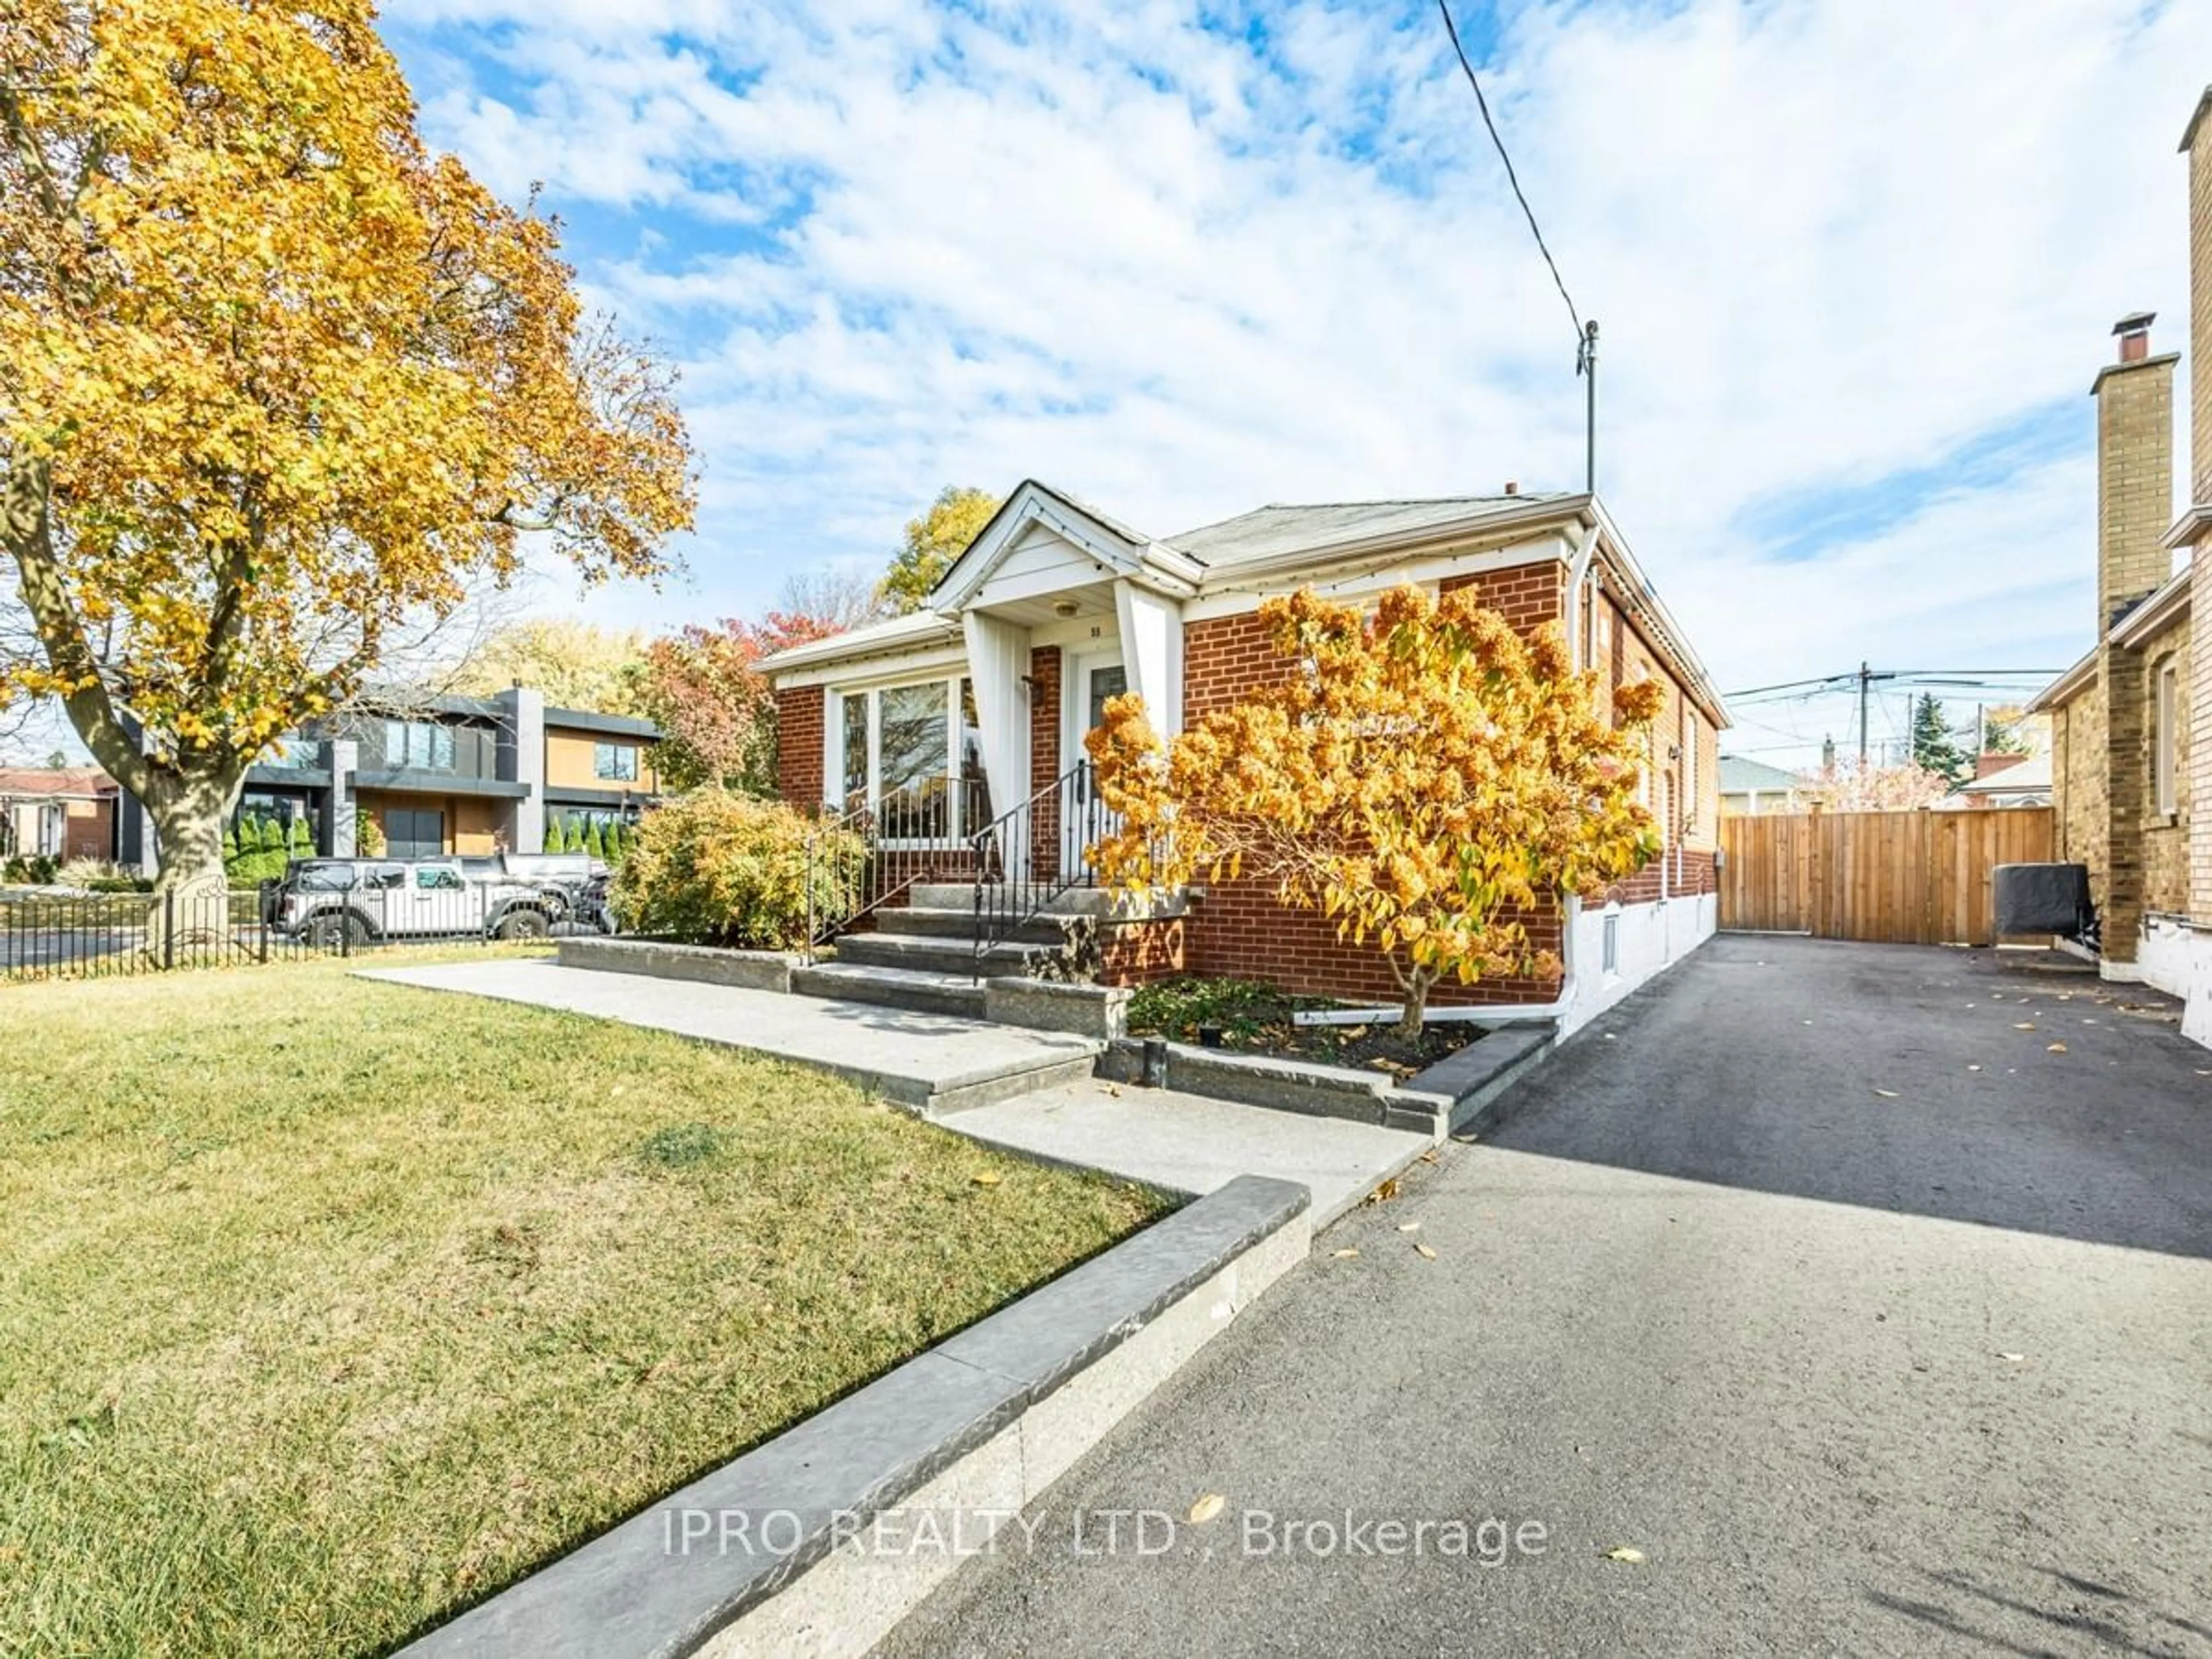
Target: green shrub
229, 843
555, 841
367, 836
595, 844
302, 840
718, 868
1242, 1008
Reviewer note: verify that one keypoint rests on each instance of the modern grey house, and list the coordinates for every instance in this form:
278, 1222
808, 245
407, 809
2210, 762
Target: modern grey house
454, 776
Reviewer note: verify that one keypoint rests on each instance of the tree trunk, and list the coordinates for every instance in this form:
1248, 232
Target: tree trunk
1415, 982
191, 894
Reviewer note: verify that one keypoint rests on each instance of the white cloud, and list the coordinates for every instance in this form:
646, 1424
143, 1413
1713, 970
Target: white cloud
1829, 244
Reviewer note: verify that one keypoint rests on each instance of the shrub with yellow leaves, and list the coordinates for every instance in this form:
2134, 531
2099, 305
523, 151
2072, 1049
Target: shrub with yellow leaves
1423, 775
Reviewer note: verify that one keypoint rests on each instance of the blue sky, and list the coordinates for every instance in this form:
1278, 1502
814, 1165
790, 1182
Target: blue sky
1855, 265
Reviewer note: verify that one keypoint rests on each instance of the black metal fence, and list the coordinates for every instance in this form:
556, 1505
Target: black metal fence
99, 935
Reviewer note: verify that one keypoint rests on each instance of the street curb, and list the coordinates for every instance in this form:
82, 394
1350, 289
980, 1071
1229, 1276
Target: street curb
977, 1427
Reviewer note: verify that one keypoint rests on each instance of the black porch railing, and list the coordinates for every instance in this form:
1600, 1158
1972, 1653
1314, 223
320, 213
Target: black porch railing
872, 855
1035, 852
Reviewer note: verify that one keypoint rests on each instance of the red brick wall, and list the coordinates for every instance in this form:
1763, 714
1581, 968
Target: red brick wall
1239, 929
1143, 952
1044, 760
798, 744
1528, 596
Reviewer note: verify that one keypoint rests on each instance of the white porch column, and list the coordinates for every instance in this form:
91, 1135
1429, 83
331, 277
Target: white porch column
1152, 652
998, 658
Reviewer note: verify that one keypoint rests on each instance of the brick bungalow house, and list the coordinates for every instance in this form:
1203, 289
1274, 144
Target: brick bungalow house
58, 813
2127, 760
942, 722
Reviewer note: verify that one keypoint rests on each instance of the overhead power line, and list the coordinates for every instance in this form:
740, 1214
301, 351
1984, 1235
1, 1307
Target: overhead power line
1514, 179
1585, 333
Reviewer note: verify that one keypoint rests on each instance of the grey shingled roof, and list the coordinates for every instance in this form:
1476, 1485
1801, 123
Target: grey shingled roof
1740, 776
1282, 528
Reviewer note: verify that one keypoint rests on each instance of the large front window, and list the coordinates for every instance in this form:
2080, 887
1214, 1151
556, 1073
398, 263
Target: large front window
424, 745
906, 755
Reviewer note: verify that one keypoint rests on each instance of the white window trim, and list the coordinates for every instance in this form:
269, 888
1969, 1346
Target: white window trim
833, 751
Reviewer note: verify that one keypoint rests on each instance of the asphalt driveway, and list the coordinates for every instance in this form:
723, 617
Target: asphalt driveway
1862, 1320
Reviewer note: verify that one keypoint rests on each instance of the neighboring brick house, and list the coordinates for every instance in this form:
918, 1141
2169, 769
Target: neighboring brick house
1055, 607
60, 813
2125, 764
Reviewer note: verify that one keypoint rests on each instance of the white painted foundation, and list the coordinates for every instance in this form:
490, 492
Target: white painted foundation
1650, 939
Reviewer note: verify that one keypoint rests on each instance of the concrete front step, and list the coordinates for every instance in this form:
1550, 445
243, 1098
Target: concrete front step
961, 896
892, 987
913, 921
936, 956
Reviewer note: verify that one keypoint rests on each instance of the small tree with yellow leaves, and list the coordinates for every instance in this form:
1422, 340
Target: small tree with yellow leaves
1422, 775
277, 384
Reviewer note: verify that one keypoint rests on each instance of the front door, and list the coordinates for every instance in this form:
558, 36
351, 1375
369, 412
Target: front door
1092, 680
410, 833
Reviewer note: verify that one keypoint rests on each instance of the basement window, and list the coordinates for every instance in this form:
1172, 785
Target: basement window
1609, 953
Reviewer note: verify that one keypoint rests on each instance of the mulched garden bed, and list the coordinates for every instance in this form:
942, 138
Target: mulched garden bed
1254, 1019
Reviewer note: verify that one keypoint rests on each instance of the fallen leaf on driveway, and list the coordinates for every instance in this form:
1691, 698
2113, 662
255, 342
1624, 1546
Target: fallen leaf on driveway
1633, 1557
1608, 1036
1429, 1157
1886, 1094
1409, 1226
1804, 1022
2012, 1358
1346, 1253
1206, 1508
1973, 1068
2056, 1048
2025, 1025
1424, 1253
1385, 1193
988, 1177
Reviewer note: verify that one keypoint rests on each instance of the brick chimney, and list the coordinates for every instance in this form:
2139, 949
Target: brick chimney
2135, 470
2134, 506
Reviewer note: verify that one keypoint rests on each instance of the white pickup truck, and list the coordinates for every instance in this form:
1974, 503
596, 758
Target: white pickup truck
331, 903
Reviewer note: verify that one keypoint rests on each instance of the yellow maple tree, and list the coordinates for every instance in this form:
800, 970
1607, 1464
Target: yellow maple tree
274, 380
1421, 774
934, 538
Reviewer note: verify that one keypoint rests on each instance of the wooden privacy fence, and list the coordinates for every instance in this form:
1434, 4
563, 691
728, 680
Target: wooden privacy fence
1897, 878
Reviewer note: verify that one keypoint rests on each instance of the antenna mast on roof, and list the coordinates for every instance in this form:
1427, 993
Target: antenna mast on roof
1586, 366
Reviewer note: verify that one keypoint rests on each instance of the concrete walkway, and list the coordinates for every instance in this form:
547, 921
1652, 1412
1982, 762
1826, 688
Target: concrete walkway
1028, 1091
936, 1063
1187, 1143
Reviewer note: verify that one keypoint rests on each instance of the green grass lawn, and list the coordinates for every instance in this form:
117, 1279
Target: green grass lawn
328, 1306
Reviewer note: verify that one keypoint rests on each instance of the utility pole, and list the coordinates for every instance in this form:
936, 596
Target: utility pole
1866, 678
